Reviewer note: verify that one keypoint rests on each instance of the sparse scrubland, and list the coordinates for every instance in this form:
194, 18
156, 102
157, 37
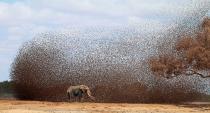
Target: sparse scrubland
141, 66
191, 58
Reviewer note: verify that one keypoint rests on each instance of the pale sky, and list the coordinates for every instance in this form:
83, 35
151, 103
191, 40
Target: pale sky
21, 20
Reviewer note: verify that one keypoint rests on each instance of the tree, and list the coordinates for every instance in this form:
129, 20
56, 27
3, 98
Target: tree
192, 57
6, 86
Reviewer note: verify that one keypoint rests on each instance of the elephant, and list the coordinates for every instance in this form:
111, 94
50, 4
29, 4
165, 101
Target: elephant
79, 91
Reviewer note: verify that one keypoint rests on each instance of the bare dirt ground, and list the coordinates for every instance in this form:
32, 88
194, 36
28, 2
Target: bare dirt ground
16, 106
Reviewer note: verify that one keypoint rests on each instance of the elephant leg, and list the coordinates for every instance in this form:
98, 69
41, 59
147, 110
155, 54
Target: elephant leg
69, 96
82, 99
77, 99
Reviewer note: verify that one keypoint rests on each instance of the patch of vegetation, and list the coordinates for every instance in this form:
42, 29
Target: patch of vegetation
6, 89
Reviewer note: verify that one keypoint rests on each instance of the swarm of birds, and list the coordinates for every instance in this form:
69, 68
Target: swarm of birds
112, 61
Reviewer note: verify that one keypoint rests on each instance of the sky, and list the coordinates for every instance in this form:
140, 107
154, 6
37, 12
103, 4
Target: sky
21, 20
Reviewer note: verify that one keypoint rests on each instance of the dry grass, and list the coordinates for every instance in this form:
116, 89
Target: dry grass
11, 106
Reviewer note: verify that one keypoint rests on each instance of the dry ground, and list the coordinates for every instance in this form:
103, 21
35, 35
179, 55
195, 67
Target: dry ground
15, 106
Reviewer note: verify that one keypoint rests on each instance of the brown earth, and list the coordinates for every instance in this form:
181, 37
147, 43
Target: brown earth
16, 106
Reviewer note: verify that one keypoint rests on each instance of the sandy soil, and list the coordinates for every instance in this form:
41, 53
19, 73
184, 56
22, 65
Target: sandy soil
15, 106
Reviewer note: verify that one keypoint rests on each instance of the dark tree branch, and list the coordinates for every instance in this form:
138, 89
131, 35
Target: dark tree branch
193, 72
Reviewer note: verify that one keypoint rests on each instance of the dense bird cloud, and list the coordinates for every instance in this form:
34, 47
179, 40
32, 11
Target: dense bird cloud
113, 58
20, 20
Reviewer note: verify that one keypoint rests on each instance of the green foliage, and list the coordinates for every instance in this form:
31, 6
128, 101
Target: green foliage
6, 87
